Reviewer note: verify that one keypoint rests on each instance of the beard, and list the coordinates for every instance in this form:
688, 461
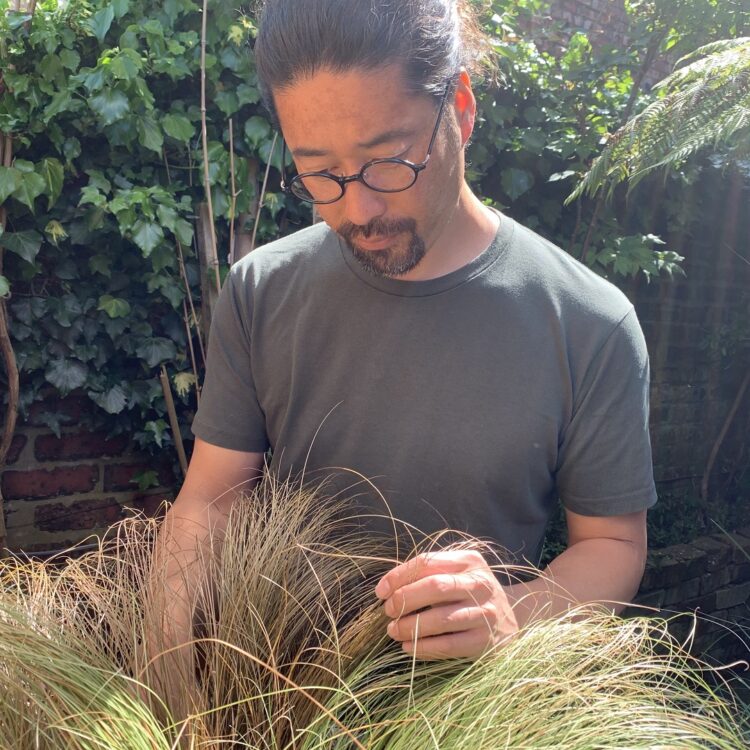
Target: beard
402, 256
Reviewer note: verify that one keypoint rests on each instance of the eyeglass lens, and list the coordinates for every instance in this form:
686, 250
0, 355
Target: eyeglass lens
385, 176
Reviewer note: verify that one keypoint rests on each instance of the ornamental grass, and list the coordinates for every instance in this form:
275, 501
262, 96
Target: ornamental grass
290, 652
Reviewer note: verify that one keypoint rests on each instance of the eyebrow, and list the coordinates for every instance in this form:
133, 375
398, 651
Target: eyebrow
380, 139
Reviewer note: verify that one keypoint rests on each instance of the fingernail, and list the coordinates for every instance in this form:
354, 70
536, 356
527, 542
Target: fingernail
383, 589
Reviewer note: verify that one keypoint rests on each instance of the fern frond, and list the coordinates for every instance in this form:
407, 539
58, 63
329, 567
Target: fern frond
705, 104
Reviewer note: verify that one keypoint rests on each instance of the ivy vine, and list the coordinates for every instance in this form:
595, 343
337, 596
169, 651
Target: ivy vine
102, 101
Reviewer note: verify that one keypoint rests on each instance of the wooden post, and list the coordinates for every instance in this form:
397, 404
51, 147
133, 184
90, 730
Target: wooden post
6, 347
243, 242
209, 265
173, 422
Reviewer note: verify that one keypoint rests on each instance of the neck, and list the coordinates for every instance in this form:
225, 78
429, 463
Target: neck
466, 231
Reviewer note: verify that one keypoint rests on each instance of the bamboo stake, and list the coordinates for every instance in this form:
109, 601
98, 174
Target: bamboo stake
233, 207
263, 191
194, 314
191, 348
211, 251
173, 423
186, 318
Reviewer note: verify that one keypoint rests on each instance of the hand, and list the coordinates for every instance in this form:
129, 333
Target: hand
446, 605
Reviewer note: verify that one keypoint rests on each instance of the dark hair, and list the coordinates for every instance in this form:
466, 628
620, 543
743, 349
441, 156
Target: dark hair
432, 39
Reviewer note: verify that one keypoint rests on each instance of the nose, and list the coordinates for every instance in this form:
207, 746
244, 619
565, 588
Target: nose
362, 205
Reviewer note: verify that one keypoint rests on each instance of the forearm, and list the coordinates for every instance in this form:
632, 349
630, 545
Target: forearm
189, 537
606, 571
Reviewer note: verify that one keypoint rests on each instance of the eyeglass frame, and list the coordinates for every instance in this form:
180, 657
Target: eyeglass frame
359, 176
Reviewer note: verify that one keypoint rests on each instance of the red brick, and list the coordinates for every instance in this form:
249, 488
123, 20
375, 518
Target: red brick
119, 477
39, 483
83, 514
150, 505
16, 446
68, 409
76, 446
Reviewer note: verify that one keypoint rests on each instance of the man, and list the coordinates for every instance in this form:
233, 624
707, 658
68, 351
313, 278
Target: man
473, 371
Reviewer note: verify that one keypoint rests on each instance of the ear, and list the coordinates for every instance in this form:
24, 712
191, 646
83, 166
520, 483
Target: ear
465, 106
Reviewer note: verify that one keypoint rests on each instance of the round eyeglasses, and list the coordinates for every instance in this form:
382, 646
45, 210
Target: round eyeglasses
382, 175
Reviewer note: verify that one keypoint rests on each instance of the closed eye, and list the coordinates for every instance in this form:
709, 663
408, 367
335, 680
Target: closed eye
337, 172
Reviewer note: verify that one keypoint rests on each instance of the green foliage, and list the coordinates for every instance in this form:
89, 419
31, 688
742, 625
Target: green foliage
542, 124
558, 100
705, 103
103, 104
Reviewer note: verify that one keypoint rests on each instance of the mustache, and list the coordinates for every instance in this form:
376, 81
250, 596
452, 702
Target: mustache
376, 227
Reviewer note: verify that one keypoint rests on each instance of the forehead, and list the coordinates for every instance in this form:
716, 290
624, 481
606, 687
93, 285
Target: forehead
332, 109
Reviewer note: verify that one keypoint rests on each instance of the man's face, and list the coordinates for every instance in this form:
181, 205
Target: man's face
337, 122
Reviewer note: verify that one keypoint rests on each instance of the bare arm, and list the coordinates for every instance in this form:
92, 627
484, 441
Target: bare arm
604, 562
216, 477
456, 606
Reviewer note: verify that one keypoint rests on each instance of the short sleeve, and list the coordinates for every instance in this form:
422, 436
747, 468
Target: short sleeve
229, 414
604, 460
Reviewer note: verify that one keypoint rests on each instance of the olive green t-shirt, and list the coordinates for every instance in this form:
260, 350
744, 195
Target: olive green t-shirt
472, 401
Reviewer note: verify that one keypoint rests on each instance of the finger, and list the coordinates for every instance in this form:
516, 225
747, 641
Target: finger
470, 588
453, 618
426, 564
469, 644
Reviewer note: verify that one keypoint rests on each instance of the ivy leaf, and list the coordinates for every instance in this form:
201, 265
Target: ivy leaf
147, 235
50, 67
90, 194
66, 375
167, 216
52, 172
114, 306
227, 102
126, 65
178, 127
8, 182
23, 165
111, 105
70, 59
248, 94
59, 103
30, 187
17, 18
156, 350
257, 130
4, 287
121, 7
100, 22
174, 293
112, 401
146, 479
52, 420
516, 182
100, 264
158, 429
149, 134
71, 148
26, 243
183, 231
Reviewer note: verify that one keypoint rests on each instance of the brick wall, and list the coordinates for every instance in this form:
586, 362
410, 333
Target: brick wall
706, 583
59, 490
604, 21
693, 385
